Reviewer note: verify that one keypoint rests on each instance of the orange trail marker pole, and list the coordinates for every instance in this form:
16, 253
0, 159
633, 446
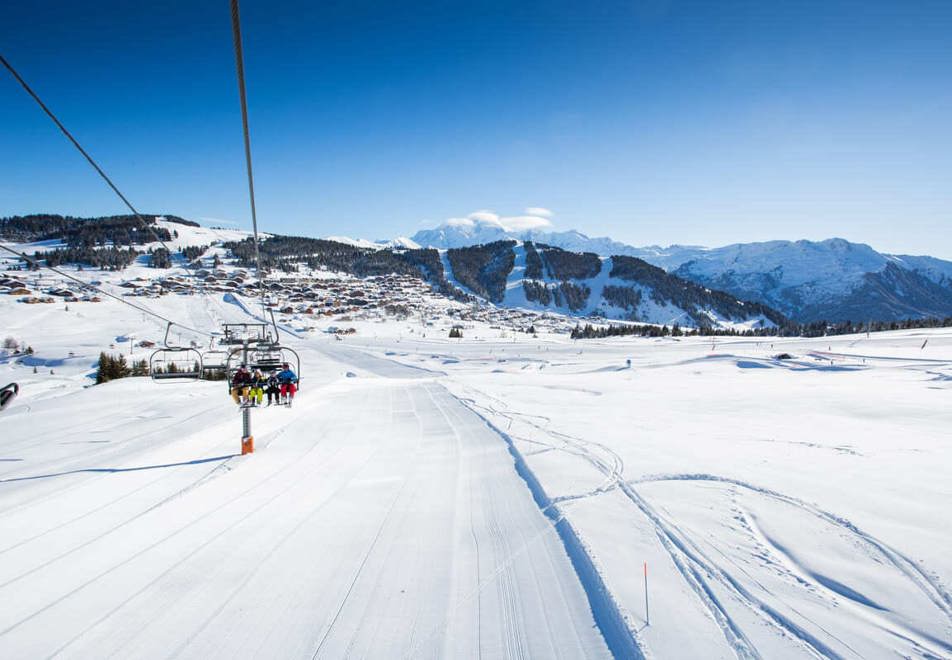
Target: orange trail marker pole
647, 615
247, 440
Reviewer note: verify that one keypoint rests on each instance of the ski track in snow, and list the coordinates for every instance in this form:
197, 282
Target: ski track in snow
188, 557
397, 514
919, 577
699, 571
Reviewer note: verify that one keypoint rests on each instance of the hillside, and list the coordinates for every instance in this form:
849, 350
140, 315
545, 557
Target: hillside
833, 280
527, 275
546, 278
751, 284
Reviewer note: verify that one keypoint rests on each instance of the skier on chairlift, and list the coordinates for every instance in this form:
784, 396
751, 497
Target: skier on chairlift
258, 383
288, 381
273, 388
241, 385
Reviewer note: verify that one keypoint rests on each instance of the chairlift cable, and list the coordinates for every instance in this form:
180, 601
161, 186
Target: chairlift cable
138, 216
88, 285
85, 154
242, 97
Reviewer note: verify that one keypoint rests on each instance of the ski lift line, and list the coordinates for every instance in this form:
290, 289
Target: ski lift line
145, 225
243, 99
89, 159
144, 310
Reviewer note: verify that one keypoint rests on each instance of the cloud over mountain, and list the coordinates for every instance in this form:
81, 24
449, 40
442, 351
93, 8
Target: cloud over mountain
535, 219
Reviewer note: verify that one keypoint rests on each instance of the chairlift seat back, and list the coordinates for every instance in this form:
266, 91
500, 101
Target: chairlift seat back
175, 364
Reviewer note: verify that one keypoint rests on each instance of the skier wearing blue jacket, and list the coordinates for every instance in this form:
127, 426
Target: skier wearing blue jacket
288, 381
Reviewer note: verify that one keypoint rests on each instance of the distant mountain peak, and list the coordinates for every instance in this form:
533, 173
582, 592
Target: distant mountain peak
805, 279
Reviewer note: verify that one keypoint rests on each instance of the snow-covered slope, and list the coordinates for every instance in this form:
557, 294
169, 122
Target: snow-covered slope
494, 496
401, 242
184, 235
378, 517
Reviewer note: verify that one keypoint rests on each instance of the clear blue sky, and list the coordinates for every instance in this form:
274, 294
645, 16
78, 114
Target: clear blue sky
653, 122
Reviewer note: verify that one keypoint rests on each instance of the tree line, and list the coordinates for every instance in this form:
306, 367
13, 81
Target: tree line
286, 253
113, 367
104, 258
484, 268
808, 330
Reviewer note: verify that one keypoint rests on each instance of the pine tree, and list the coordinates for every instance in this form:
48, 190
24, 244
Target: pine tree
102, 372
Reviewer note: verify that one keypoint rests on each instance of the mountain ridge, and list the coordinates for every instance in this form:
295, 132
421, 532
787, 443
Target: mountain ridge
833, 279
806, 281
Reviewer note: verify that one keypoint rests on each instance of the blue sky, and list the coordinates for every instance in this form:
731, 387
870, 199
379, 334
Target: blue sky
653, 122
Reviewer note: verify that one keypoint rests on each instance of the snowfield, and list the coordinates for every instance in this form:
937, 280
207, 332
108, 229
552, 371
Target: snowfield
497, 496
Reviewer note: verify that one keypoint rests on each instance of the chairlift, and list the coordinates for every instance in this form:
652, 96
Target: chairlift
237, 334
266, 359
214, 363
175, 363
258, 350
7, 394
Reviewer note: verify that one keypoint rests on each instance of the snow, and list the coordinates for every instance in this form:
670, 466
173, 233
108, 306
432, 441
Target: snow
825, 267
361, 525
647, 311
493, 497
356, 242
788, 275
448, 272
784, 507
400, 243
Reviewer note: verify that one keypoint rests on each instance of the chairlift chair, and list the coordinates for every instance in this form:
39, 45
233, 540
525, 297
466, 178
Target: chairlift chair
7, 394
265, 359
214, 363
258, 349
236, 334
175, 363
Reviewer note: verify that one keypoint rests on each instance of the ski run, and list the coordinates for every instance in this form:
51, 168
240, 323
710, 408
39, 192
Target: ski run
497, 496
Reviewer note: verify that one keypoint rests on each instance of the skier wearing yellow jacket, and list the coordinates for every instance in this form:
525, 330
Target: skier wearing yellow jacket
258, 384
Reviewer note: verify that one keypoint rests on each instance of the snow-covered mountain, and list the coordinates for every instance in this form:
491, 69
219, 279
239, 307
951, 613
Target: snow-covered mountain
530, 276
456, 235
399, 243
832, 279
806, 280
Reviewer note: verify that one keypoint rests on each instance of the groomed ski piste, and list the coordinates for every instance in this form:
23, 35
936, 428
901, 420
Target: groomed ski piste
496, 496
